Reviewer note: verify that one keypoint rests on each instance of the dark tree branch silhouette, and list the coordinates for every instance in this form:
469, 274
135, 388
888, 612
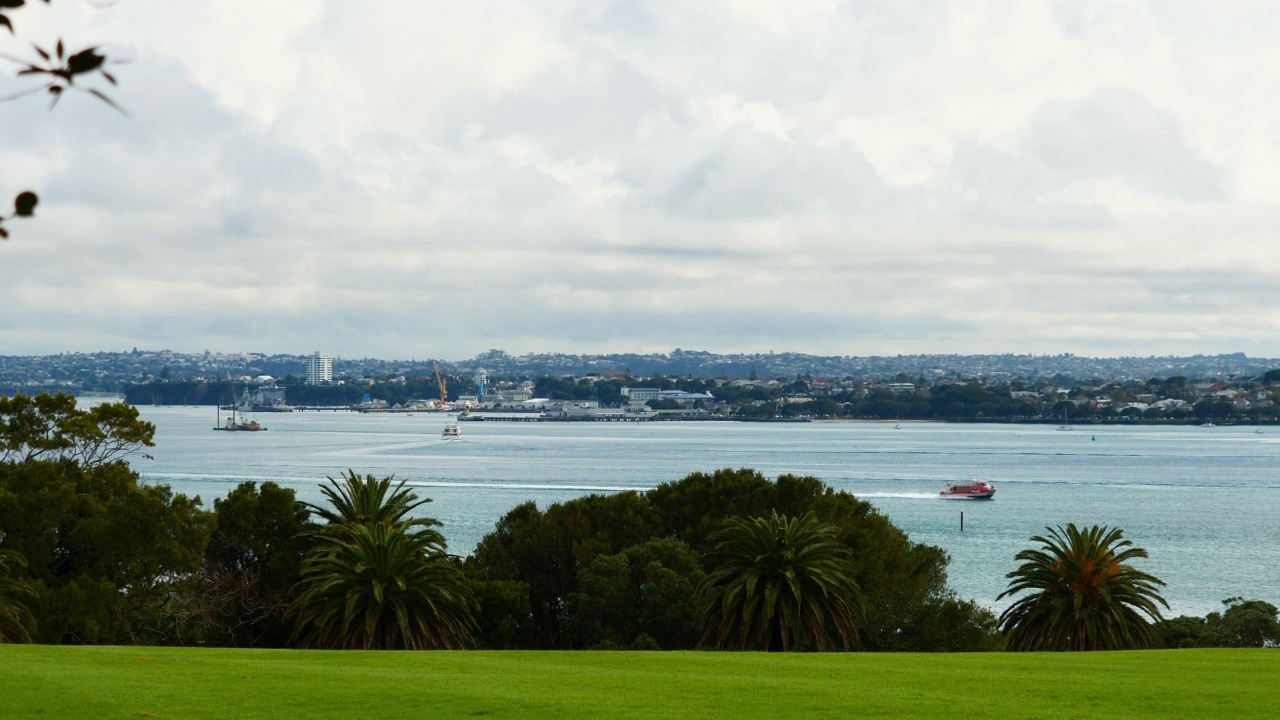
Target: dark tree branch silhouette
60, 70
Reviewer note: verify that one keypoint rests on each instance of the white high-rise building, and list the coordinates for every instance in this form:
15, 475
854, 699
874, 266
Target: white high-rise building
319, 369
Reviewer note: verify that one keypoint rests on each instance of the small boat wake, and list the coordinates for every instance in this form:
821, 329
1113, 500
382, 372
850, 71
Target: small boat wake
904, 495
522, 486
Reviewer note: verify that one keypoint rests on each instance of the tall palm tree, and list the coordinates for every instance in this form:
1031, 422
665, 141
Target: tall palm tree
1084, 594
779, 583
15, 617
368, 500
382, 586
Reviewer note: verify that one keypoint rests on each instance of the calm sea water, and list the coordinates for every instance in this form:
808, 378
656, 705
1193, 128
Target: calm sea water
1202, 501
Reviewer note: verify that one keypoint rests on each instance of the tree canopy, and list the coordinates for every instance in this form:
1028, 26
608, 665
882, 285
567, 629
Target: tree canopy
253, 559
907, 603
378, 587
16, 619
368, 500
378, 579
104, 552
1243, 623
1083, 594
52, 427
779, 583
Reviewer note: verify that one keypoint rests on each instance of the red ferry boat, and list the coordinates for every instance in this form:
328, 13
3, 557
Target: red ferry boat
974, 490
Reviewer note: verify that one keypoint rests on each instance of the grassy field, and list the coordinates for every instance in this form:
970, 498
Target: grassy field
129, 682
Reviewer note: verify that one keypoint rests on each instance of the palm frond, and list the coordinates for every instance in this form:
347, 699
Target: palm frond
779, 584
1083, 593
380, 586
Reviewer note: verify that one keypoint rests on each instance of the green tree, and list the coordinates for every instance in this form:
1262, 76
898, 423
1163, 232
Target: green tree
646, 591
1184, 631
51, 427
378, 579
503, 617
904, 584
253, 560
949, 624
779, 583
368, 500
15, 617
106, 553
1244, 623
1084, 594
380, 587
546, 551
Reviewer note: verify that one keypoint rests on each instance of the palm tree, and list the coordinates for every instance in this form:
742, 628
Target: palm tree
382, 586
368, 500
779, 583
15, 617
1084, 594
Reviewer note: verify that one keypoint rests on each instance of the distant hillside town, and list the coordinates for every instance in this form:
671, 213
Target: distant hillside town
111, 371
683, 384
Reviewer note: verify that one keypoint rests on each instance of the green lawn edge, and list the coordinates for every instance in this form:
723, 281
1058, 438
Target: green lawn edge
132, 682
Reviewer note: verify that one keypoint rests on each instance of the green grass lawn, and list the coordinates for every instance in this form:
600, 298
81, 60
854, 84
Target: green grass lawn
131, 682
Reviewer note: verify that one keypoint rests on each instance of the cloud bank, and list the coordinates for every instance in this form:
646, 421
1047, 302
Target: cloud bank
434, 179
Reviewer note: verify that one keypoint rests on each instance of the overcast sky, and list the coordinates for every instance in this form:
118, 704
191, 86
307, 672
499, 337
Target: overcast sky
433, 179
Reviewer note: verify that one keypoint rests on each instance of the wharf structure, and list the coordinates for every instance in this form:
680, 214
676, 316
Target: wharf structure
689, 406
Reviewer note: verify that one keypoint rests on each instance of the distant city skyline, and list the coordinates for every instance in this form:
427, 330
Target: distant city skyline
862, 178
112, 371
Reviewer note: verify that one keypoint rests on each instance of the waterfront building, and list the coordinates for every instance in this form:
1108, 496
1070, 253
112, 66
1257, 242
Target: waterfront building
500, 397
319, 369
641, 395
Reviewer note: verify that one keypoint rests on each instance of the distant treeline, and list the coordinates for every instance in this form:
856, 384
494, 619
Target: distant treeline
184, 392
962, 401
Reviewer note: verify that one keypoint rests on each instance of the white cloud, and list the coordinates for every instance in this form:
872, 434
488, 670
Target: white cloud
410, 179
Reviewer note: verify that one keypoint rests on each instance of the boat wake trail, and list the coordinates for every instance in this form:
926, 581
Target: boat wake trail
906, 495
523, 486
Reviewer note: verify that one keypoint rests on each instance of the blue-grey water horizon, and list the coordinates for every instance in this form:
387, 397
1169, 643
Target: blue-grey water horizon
1201, 500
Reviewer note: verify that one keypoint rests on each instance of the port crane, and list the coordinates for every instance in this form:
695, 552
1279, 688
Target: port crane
443, 402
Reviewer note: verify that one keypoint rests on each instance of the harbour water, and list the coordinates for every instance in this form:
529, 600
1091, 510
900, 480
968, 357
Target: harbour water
1203, 501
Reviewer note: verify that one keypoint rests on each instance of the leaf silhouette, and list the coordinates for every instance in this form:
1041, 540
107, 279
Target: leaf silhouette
99, 94
86, 60
25, 204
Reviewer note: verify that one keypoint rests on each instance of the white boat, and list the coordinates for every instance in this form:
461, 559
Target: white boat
451, 431
973, 490
232, 426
